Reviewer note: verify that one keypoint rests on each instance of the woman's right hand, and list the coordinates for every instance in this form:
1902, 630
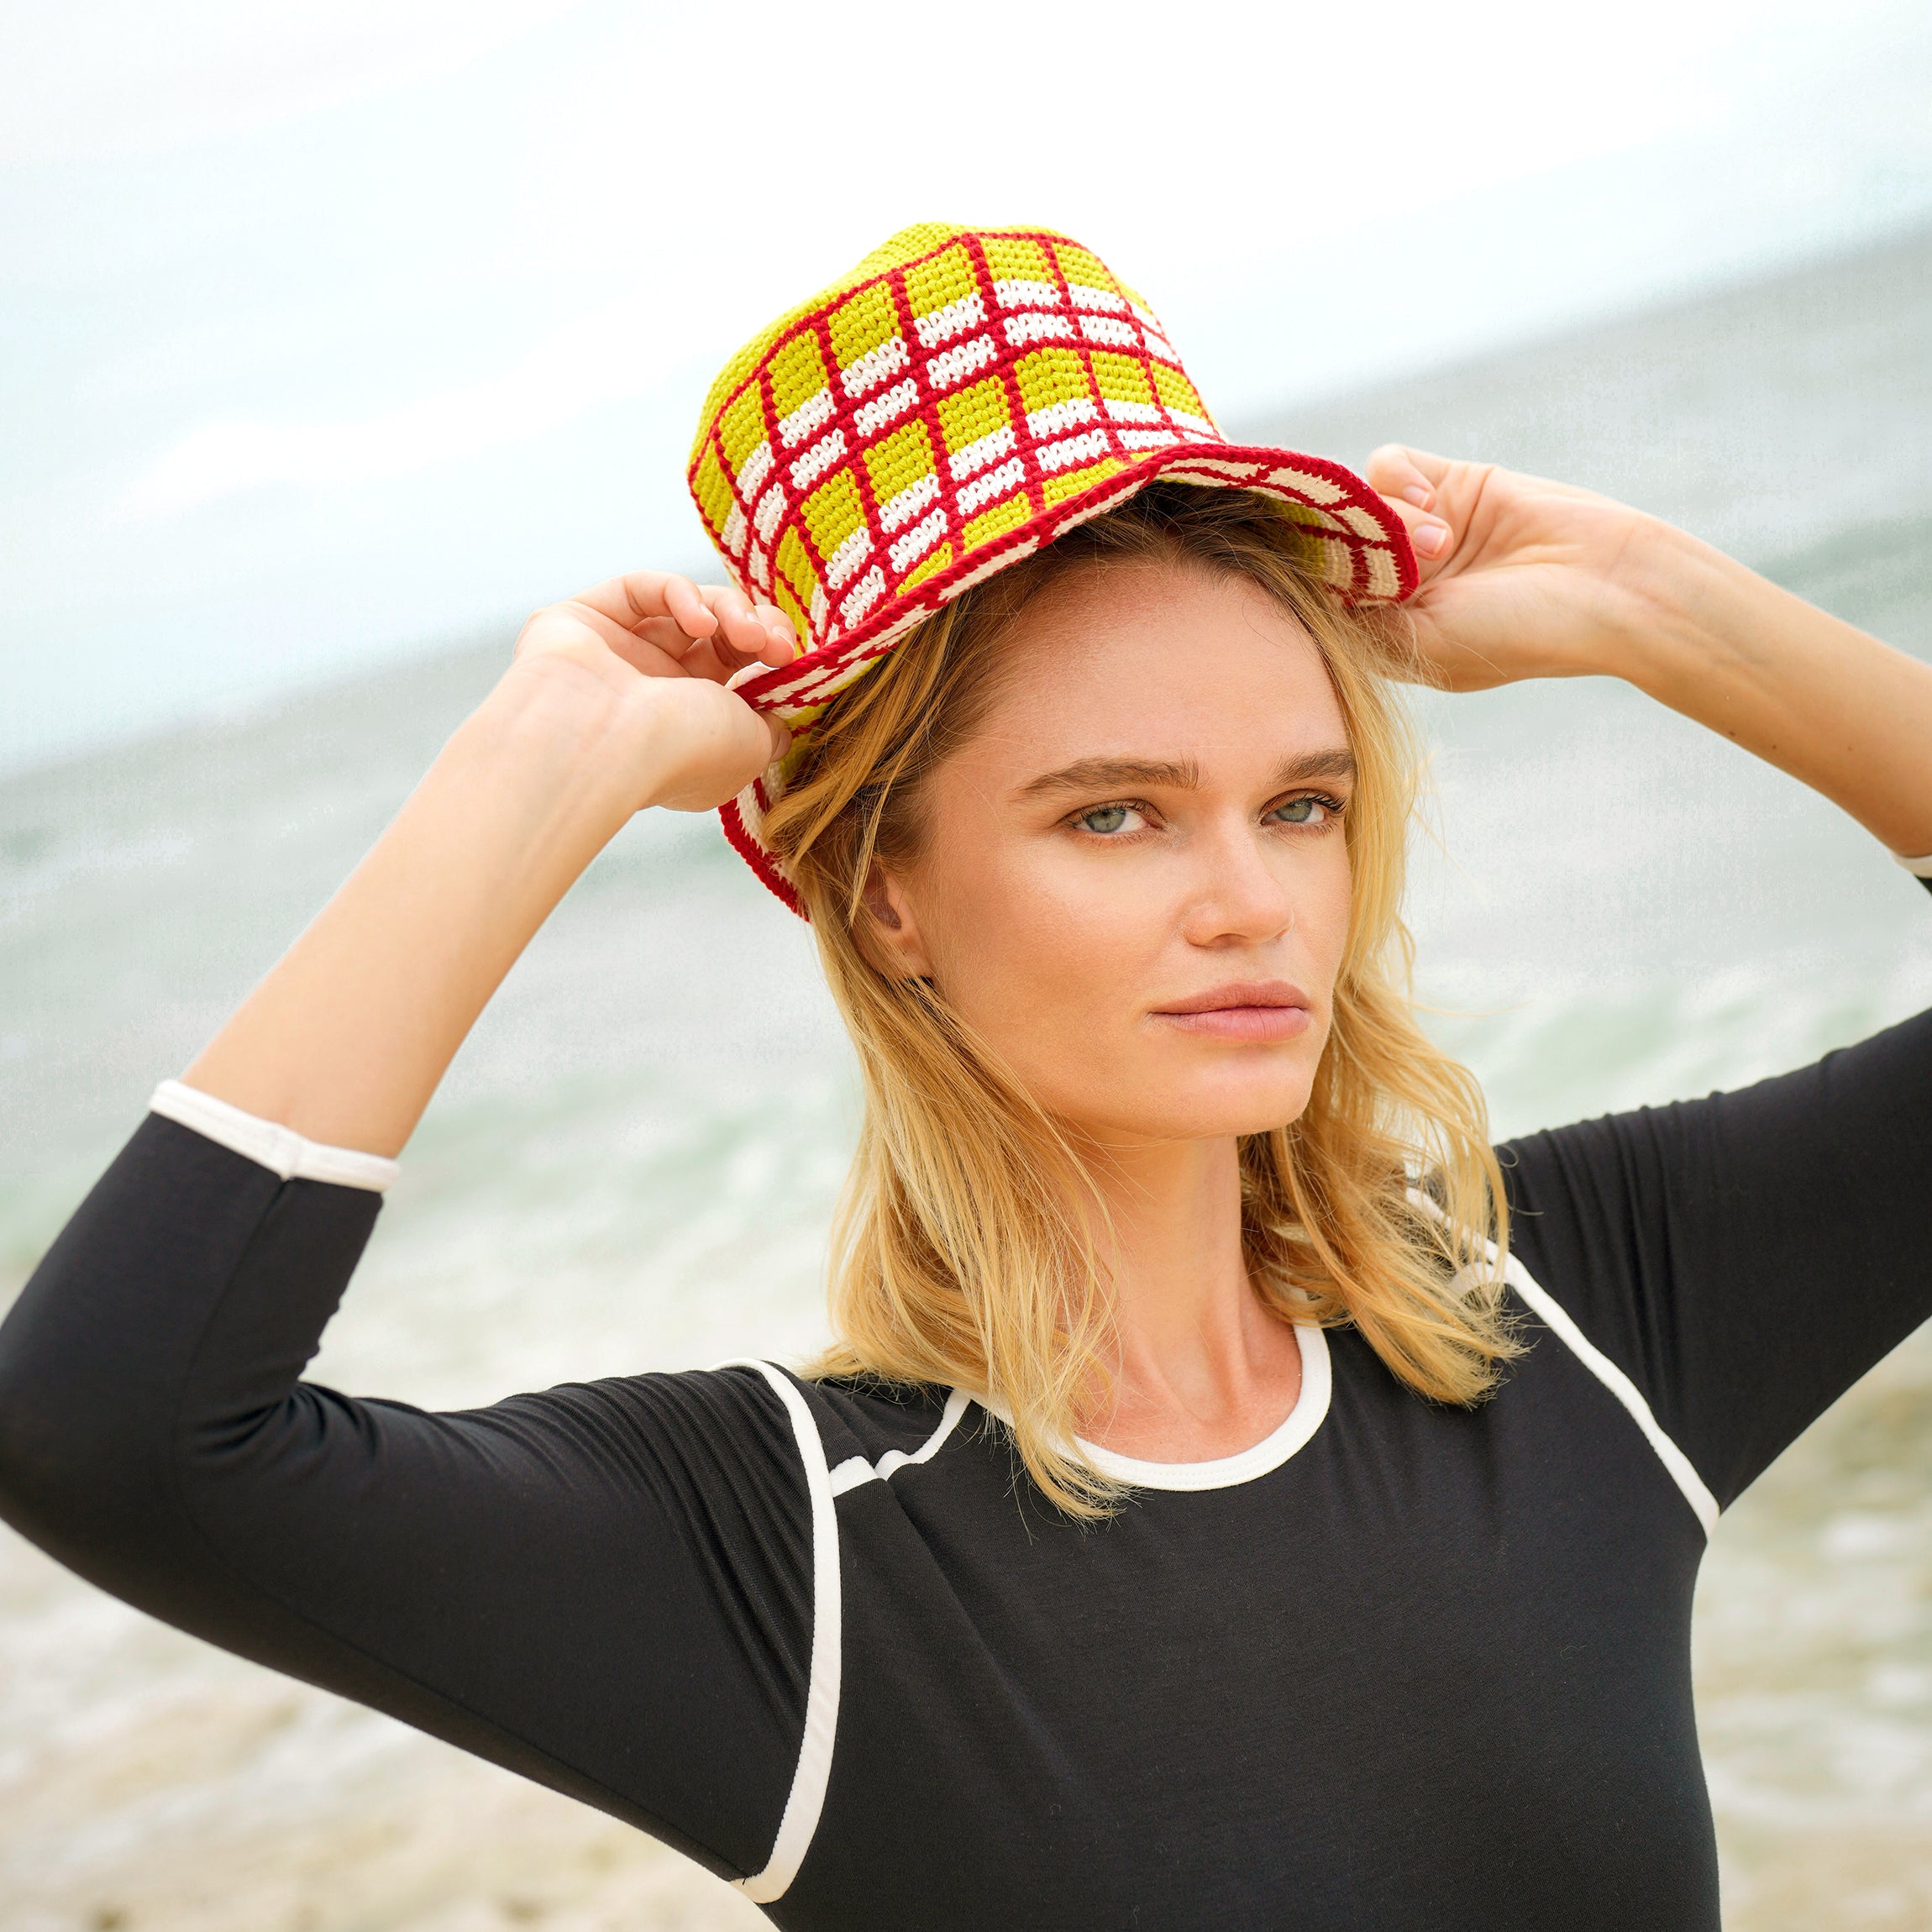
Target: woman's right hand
615, 701
661, 649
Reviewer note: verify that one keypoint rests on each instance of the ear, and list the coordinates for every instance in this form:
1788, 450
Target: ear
895, 942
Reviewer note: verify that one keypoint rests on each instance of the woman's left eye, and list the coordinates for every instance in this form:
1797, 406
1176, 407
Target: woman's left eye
1106, 820
1303, 812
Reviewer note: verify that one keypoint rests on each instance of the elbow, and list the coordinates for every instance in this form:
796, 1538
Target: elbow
159, 1342
37, 1470
82, 1461
49, 1455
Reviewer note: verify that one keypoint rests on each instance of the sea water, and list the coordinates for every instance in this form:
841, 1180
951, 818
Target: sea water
634, 1161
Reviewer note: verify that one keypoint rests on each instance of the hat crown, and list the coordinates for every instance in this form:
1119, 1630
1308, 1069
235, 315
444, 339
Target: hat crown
962, 397
959, 383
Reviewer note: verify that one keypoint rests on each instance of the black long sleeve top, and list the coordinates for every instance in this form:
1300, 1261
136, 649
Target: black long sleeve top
1398, 1665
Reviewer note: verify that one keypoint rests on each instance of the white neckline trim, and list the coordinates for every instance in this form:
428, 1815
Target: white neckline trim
1920, 868
280, 1149
1293, 1433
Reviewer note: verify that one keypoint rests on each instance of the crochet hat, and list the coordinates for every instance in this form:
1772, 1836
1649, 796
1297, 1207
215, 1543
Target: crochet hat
959, 399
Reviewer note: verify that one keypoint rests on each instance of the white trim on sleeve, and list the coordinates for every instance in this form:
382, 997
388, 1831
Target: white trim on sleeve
281, 1150
814, 1769
1919, 868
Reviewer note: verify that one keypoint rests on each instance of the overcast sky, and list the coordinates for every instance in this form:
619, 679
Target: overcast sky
332, 330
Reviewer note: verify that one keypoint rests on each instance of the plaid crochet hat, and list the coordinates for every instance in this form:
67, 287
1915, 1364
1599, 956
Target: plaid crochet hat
959, 399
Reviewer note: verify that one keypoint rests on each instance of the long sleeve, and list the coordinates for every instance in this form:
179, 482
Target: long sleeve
1744, 1258
606, 1588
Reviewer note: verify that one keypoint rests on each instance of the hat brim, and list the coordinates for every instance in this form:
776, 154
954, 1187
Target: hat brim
1356, 544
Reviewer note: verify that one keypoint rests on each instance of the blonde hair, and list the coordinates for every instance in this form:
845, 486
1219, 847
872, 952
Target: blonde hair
962, 1253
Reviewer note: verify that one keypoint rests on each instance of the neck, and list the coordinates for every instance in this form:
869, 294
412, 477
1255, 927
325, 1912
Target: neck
1200, 1367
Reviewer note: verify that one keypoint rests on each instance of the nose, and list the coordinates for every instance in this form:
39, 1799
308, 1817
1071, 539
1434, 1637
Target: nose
1240, 893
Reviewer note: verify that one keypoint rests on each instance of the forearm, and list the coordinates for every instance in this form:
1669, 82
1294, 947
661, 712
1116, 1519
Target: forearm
347, 1037
1847, 715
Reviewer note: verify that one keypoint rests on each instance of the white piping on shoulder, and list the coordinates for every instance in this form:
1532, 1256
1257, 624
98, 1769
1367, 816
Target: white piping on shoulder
1919, 868
814, 1768
855, 1469
1556, 1319
281, 1150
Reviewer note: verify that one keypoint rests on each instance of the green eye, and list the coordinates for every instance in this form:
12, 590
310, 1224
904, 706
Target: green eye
1301, 811
1104, 818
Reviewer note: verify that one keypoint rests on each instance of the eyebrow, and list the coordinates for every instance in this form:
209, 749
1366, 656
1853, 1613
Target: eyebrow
1179, 774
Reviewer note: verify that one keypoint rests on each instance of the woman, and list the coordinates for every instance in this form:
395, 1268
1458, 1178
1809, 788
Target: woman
1234, 1496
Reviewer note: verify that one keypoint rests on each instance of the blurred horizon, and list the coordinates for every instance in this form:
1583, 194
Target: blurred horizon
337, 335
1321, 422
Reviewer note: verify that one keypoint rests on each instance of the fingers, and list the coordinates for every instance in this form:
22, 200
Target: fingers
642, 602
1431, 538
577, 627
661, 621
1411, 482
640, 596
747, 635
1409, 494
656, 647
759, 632
1412, 476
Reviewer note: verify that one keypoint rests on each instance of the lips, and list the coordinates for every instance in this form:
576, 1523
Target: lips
1243, 1009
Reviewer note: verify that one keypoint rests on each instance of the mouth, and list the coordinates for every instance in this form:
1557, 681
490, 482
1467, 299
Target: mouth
1248, 1009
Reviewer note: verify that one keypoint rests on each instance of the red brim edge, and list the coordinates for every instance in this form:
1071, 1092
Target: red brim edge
771, 690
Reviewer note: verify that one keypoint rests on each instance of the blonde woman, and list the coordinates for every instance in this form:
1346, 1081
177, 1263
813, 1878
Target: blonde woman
1234, 1495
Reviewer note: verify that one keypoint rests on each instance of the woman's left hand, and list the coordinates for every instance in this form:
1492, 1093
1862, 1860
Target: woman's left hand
1521, 578
1525, 579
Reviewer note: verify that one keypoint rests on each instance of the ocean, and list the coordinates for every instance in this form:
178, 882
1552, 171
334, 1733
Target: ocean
632, 1162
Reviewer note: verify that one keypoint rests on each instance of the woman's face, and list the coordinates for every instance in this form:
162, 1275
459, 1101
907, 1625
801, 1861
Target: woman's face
1134, 885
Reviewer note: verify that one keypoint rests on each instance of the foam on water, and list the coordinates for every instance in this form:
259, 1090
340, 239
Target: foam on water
634, 1160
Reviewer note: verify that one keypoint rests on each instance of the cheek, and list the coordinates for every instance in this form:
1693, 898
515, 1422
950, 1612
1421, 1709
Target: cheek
1324, 907
1029, 949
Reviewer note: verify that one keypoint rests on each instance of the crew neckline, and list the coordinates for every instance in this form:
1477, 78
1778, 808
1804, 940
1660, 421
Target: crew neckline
1291, 1434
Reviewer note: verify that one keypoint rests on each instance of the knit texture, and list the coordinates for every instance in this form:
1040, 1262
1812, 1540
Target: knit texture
959, 399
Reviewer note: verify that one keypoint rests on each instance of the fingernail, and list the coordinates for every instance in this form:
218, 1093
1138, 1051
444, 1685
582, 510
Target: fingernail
1417, 494
1430, 539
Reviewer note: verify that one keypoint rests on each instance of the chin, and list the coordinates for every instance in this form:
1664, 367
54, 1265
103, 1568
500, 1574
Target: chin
1218, 1114
1254, 1099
